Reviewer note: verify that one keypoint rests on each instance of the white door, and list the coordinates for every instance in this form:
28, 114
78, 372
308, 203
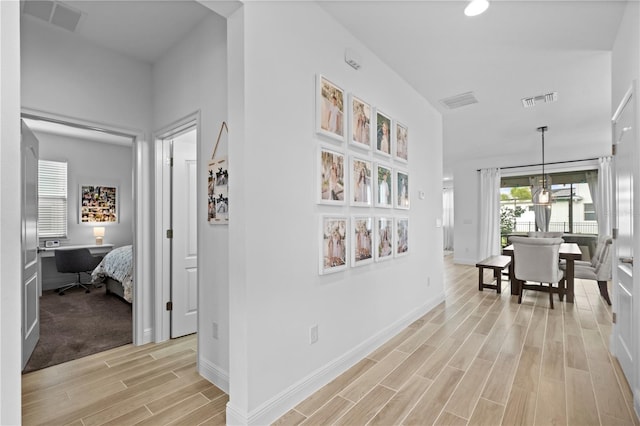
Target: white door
624, 139
30, 277
184, 249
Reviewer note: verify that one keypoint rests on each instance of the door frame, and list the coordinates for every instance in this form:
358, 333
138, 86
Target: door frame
162, 272
139, 173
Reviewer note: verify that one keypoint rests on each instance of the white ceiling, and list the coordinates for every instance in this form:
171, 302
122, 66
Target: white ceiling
514, 50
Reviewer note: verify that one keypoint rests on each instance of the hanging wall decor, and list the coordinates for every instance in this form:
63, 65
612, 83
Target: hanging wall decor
218, 185
98, 204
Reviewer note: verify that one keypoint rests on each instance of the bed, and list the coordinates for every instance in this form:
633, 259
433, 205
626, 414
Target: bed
115, 271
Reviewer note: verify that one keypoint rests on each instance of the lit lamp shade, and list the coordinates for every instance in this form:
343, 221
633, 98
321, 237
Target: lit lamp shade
98, 232
544, 198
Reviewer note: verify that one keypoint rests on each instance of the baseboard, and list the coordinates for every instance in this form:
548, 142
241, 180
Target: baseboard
214, 374
636, 402
277, 406
462, 261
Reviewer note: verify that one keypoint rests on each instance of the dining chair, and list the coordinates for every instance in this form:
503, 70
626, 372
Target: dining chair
541, 234
599, 269
537, 260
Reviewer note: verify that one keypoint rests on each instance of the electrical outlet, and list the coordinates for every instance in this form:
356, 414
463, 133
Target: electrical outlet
215, 330
313, 334
428, 281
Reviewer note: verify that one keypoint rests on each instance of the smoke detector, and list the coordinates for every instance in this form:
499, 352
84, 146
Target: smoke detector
546, 98
53, 12
460, 100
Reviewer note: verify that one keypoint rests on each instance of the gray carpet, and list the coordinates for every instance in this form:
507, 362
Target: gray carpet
79, 324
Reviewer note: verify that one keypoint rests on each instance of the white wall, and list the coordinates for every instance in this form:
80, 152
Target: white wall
10, 256
276, 49
192, 77
74, 79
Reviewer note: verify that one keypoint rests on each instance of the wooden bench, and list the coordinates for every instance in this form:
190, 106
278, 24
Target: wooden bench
497, 264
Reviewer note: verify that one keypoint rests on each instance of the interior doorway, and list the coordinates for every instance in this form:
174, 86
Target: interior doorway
179, 229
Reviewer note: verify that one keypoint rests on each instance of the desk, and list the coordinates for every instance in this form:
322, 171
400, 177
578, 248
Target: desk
568, 251
93, 248
50, 278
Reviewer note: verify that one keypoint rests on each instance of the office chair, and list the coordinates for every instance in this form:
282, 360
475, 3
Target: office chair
75, 261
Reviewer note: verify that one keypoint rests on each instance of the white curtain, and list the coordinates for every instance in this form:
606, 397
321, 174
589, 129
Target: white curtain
542, 211
447, 218
601, 188
489, 241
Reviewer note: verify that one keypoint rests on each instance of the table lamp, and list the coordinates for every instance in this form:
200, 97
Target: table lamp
98, 232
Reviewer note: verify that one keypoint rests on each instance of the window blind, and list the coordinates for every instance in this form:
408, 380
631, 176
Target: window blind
52, 199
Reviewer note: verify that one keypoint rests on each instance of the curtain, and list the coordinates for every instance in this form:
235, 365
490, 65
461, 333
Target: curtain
447, 218
601, 188
489, 226
542, 211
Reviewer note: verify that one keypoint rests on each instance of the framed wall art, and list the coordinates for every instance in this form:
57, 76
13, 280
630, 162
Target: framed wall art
361, 182
383, 134
331, 177
383, 247
360, 135
402, 236
362, 238
383, 186
334, 238
402, 189
98, 204
401, 151
330, 103
218, 191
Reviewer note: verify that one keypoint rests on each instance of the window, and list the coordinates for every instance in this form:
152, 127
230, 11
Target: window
589, 211
52, 199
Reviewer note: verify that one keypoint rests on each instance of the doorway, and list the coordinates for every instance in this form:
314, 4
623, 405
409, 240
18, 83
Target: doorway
177, 205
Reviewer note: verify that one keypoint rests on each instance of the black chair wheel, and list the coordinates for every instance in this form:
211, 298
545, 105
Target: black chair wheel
61, 293
87, 291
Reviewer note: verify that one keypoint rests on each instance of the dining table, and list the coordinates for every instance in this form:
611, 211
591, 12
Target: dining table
570, 252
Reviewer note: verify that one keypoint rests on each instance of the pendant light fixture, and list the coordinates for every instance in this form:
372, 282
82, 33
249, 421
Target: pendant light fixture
476, 7
545, 196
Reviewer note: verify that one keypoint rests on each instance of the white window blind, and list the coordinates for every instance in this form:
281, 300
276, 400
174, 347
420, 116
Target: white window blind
52, 199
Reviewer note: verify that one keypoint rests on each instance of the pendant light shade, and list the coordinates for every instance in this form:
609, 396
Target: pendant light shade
476, 7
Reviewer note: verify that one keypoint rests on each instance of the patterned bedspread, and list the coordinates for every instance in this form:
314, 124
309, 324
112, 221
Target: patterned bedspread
117, 264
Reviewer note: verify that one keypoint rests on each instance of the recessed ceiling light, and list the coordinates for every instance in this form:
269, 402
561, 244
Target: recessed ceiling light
476, 7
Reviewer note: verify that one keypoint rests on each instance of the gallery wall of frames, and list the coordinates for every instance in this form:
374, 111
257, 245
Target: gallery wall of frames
362, 170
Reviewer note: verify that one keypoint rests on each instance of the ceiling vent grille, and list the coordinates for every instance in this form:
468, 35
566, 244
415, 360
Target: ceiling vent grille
460, 100
546, 98
53, 12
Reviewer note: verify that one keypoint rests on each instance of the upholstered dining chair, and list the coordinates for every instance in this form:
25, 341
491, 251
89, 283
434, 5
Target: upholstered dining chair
541, 234
599, 269
537, 260
75, 261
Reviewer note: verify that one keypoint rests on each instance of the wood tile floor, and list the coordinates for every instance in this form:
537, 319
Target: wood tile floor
144, 385
479, 358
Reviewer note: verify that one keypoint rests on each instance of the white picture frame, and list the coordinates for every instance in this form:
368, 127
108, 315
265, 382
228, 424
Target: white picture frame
401, 189
401, 143
330, 109
360, 127
401, 235
334, 244
331, 172
383, 134
383, 242
361, 240
361, 189
383, 177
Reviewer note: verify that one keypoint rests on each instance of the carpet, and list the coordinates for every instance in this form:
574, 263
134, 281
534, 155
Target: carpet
79, 324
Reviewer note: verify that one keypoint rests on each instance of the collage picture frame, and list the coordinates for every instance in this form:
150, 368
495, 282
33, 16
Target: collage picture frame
98, 204
362, 172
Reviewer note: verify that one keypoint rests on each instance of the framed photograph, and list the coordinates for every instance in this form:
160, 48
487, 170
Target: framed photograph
331, 176
329, 109
383, 186
218, 191
362, 238
360, 135
333, 244
402, 189
383, 134
401, 151
361, 172
402, 236
383, 238
98, 204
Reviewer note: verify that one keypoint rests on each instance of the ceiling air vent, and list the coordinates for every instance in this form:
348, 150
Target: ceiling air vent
54, 12
460, 100
546, 98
